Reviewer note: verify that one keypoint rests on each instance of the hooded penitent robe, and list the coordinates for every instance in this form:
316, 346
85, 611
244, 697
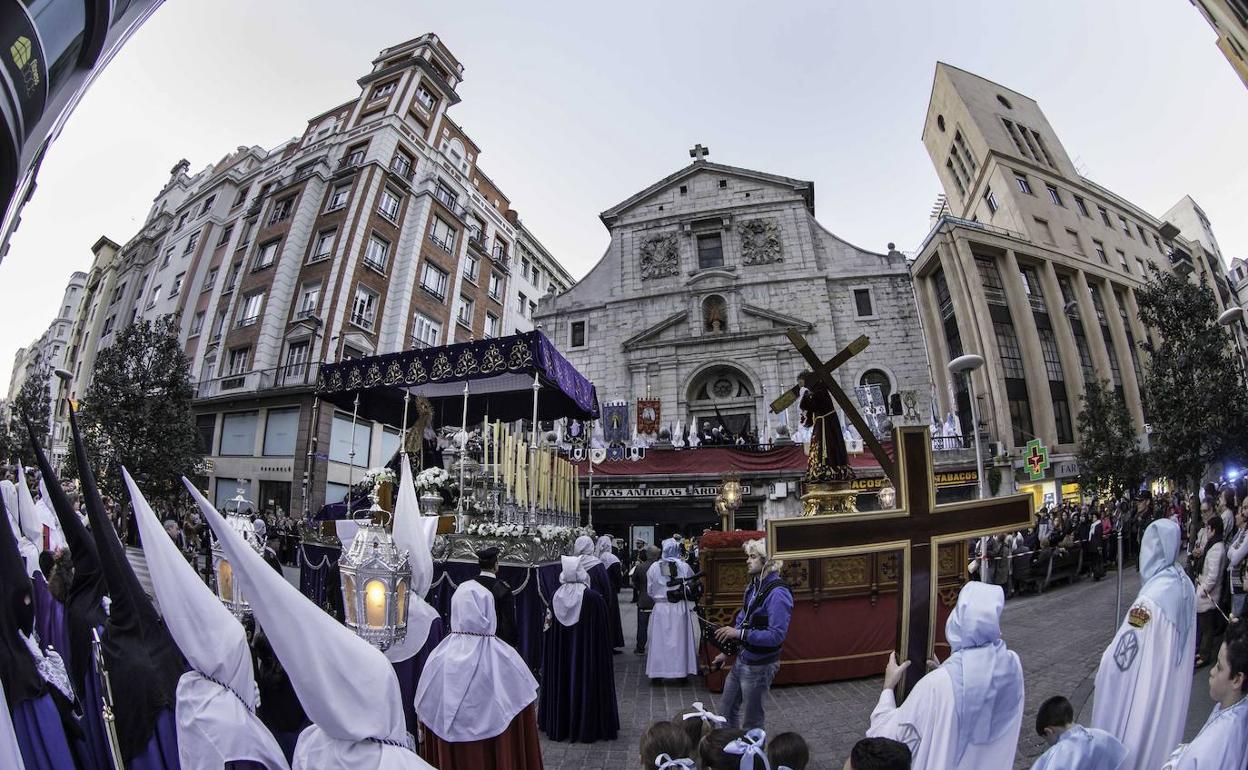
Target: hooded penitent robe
600, 581
578, 700
671, 651
1145, 678
968, 712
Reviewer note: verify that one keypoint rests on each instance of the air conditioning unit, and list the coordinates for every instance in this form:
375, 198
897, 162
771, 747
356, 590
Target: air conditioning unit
777, 490
997, 448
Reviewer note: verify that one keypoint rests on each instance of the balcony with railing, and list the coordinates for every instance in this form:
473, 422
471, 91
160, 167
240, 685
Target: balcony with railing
451, 202
349, 164
1181, 260
295, 375
499, 255
477, 240
403, 170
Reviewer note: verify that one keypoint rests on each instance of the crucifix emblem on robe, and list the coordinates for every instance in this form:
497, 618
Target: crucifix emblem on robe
915, 529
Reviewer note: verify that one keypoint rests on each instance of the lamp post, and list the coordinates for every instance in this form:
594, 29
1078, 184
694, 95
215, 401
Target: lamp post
730, 498
967, 364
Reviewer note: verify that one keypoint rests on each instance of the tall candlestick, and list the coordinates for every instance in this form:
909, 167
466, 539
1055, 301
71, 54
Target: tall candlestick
576, 493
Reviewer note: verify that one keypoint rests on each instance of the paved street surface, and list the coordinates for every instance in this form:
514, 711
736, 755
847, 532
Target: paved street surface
1059, 635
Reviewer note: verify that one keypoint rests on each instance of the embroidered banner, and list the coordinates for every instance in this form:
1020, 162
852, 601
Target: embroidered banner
615, 422
649, 413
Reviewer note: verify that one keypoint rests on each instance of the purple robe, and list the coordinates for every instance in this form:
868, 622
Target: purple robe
50, 619
577, 697
408, 673
40, 735
161, 751
600, 582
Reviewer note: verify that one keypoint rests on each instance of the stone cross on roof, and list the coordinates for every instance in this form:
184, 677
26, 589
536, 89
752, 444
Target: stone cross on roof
699, 152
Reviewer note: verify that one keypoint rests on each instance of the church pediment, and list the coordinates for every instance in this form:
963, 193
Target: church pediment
705, 177
778, 320
655, 332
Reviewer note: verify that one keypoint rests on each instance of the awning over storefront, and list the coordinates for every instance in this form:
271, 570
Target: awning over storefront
499, 374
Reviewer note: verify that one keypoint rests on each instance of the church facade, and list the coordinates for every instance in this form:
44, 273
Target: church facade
706, 270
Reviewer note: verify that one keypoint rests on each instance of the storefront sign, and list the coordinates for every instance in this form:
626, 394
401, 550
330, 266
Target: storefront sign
1066, 469
943, 479
641, 492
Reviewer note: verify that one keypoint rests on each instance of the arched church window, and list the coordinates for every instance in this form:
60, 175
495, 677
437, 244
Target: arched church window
877, 377
714, 314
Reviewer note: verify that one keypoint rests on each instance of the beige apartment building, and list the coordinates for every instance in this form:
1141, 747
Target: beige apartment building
373, 231
1035, 268
1229, 19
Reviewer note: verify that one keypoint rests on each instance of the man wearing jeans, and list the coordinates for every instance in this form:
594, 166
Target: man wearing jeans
760, 628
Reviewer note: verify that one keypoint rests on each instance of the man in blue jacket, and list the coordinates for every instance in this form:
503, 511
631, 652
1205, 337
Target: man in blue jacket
759, 629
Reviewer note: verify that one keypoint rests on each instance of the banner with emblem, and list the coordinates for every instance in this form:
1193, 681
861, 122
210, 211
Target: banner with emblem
615, 422
578, 432
649, 414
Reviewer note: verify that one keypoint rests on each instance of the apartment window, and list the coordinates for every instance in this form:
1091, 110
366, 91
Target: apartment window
120, 290
324, 244
249, 313
991, 200
1126, 226
1140, 264
197, 324
524, 303
1046, 232
309, 298
267, 254
1143, 234
491, 325
496, 286
239, 199
1104, 216
338, 198
1011, 353
281, 210
442, 234
960, 143
434, 279
232, 280
577, 338
1076, 245
177, 285
1099, 248
426, 332
207, 205
225, 236
953, 174
1018, 142
443, 192
401, 164
296, 359
168, 256
151, 299
1122, 260
237, 363
191, 242
238, 430
385, 89
246, 239
472, 267
280, 427
862, 303
710, 251
466, 307
1054, 194
389, 205
108, 325
347, 437
182, 221
1160, 249
524, 267
355, 155
377, 252
990, 277
364, 308
532, 308
426, 98
1023, 185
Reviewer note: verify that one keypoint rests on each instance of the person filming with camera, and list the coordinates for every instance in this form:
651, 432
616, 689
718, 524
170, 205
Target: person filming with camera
759, 630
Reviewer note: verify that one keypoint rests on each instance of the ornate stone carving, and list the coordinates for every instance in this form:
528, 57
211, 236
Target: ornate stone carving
760, 242
660, 256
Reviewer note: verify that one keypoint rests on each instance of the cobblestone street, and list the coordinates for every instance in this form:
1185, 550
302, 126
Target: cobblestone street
1059, 635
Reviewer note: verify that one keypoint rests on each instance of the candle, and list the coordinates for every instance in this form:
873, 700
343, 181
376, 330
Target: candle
494, 437
576, 492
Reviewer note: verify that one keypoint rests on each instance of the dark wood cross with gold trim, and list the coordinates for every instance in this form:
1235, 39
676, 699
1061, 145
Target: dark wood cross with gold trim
915, 529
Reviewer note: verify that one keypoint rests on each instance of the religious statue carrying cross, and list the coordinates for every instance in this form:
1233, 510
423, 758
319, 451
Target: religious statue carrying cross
915, 529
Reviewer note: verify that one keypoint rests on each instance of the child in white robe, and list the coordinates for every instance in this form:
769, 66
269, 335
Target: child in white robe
1222, 744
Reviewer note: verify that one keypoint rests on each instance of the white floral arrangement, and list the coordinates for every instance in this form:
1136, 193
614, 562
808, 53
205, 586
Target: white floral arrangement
541, 533
432, 480
375, 477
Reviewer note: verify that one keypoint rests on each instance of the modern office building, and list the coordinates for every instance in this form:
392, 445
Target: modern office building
1035, 267
52, 53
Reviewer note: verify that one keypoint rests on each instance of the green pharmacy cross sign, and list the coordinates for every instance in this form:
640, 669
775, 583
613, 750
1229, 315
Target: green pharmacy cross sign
1037, 459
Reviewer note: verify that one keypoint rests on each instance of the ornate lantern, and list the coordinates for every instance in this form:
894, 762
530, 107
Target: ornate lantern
887, 496
237, 517
376, 579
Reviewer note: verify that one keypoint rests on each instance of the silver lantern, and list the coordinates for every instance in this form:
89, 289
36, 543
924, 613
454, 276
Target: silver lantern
238, 518
376, 580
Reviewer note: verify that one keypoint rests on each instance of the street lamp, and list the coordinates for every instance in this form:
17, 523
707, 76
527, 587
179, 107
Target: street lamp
967, 364
728, 501
1230, 316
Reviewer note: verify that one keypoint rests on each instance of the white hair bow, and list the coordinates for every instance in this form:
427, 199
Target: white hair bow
749, 746
700, 712
665, 760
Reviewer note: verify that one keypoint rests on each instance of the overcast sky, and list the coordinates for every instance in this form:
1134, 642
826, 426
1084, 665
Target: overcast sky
577, 105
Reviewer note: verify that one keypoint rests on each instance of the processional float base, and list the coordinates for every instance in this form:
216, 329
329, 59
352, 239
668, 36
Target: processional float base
824, 497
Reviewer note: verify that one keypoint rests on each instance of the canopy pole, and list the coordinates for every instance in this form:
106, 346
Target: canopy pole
590, 522
463, 450
407, 395
355, 410
537, 385
310, 461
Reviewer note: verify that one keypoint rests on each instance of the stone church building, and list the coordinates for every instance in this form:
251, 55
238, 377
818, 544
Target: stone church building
706, 270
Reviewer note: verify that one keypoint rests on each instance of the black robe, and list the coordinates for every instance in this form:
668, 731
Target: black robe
504, 609
577, 700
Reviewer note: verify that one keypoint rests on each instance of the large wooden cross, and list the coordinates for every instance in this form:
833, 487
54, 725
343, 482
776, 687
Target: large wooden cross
823, 372
915, 528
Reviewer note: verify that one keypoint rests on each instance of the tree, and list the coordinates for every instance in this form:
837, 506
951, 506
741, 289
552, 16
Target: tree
1192, 394
137, 413
1109, 459
31, 404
